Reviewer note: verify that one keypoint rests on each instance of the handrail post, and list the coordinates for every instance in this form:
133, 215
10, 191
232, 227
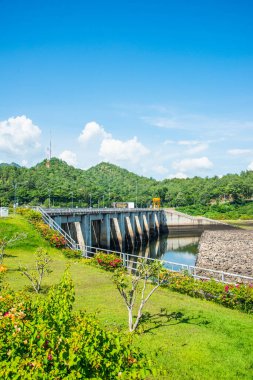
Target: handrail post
124, 259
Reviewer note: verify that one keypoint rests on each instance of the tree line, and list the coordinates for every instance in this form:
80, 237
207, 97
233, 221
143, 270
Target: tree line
66, 186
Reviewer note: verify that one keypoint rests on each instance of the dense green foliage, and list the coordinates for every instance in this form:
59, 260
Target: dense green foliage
44, 339
239, 296
221, 211
64, 185
61, 183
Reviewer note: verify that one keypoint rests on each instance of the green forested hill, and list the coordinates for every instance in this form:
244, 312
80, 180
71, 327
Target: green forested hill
60, 183
105, 183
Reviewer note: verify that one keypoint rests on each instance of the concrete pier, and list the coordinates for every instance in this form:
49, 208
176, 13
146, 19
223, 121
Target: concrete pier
101, 227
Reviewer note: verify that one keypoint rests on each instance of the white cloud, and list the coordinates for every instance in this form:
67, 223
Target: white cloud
178, 175
24, 162
240, 152
69, 157
193, 146
189, 164
93, 130
197, 148
168, 142
18, 135
117, 150
250, 166
161, 122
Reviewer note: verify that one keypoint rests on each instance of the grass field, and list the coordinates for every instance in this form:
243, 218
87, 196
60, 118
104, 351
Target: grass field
204, 341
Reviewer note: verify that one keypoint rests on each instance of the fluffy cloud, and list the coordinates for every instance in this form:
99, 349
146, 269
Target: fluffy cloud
178, 175
117, 150
69, 157
91, 131
18, 135
250, 166
190, 164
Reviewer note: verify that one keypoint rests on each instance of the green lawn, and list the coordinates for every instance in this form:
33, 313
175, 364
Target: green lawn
205, 341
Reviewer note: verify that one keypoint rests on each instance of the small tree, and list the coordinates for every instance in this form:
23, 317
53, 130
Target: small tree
35, 275
129, 287
6, 242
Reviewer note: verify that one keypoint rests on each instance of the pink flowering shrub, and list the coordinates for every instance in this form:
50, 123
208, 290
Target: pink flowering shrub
108, 261
238, 296
55, 239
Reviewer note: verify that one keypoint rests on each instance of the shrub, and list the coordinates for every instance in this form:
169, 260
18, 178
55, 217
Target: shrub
55, 239
73, 254
108, 261
44, 339
238, 296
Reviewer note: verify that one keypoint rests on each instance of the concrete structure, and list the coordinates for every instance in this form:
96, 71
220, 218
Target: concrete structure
179, 219
106, 227
101, 227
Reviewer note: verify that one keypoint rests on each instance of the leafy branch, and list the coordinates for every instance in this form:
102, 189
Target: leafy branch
146, 271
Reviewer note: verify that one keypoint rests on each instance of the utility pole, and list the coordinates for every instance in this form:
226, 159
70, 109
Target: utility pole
72, 200
136, 194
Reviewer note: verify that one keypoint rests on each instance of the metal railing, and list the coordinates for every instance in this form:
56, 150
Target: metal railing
52, 224
90, 210
130, 262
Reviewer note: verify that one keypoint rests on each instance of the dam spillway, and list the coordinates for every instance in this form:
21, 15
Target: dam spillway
102, 227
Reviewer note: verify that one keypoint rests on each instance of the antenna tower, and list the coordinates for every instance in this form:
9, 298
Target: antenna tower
49, 153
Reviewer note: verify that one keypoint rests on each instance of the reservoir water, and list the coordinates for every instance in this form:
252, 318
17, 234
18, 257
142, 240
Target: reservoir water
177, 247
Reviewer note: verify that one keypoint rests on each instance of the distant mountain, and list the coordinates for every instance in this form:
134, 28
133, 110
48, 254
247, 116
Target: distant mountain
12, 164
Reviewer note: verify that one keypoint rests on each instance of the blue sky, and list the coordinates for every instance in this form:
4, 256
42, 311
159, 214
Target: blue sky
162, 88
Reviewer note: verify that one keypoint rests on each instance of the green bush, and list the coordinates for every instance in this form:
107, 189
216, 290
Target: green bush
70, 253
239, 296
55, 239
44, 339
108, 261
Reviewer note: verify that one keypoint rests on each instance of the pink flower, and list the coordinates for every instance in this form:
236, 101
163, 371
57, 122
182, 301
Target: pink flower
50, 357
226, 288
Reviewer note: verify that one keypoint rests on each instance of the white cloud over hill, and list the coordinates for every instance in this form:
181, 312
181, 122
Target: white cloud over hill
18, 135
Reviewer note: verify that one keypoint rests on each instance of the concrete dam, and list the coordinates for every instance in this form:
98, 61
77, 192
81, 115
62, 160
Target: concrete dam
103, 227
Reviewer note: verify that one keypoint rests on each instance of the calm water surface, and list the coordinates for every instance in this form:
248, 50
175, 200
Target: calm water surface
176, 248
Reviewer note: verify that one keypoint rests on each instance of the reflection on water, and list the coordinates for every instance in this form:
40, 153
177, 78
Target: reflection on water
178, 249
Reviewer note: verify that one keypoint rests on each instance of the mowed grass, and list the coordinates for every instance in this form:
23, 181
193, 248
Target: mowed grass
191, 338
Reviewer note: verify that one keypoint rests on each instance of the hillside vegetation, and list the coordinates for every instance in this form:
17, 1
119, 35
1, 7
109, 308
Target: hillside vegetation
64, 185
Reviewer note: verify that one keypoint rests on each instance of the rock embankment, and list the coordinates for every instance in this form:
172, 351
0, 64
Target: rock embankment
227, 251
